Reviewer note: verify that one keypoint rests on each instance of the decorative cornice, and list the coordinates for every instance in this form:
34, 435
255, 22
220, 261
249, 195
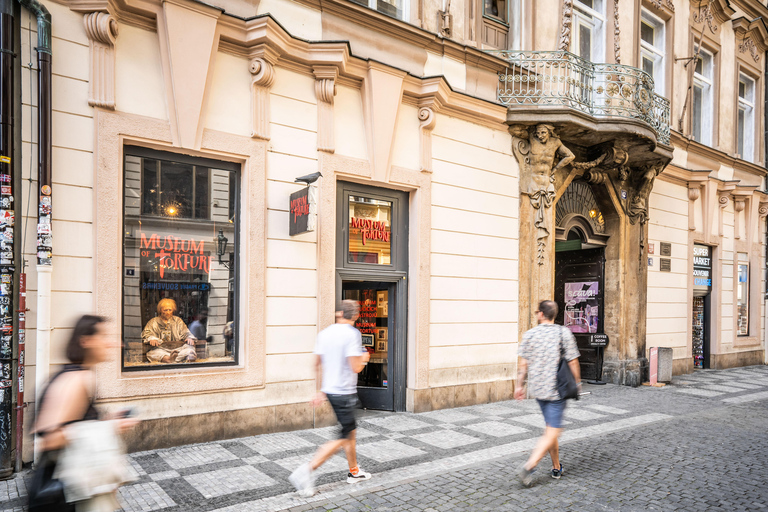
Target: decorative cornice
678, 140
721, 10
753, 35
101, 29
664, 5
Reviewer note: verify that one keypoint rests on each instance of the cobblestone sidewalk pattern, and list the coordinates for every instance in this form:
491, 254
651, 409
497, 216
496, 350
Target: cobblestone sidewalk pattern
464, 458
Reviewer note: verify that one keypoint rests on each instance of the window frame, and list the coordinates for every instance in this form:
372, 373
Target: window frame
746, 152
595, 20
144, 152
656, 51
373, 4
707, 86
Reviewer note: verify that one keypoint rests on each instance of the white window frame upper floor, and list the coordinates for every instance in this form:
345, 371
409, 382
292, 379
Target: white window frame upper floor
746, 116
592, 20
654, 51
703, 98
404, 13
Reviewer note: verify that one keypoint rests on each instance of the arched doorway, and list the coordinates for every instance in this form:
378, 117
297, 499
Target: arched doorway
580, 242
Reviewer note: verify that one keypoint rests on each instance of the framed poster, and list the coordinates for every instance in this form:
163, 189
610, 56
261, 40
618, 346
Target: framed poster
382, 332
582, 310
381, 346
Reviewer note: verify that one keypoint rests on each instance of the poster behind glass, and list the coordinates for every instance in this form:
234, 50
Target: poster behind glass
582, 309
179, 263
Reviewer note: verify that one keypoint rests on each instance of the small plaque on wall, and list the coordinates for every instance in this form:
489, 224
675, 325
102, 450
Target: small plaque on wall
665, 249
665, 264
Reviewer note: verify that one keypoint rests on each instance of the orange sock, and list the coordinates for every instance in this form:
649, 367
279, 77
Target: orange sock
354, 470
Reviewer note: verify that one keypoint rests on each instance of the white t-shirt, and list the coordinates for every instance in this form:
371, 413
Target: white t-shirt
334, 345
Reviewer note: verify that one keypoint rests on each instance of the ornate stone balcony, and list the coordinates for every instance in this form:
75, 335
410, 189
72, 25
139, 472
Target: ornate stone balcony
604, 99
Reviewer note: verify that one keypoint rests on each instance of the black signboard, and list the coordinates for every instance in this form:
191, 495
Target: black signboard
702, 269
598, 340
302, 211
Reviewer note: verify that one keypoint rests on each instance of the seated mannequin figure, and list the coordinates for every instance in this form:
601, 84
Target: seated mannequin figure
169, 335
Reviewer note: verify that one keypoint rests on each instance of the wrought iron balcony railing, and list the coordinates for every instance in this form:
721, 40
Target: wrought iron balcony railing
559, 78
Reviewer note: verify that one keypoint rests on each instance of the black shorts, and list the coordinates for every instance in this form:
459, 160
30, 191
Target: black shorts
344, 409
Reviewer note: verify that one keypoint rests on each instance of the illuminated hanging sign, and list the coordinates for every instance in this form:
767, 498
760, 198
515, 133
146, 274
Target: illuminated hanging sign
303, 211
702, 268
175, 254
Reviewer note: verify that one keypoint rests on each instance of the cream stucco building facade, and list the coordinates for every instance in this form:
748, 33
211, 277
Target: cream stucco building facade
403, 112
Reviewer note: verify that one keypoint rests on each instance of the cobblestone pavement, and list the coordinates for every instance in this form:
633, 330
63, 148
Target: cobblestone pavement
698, 444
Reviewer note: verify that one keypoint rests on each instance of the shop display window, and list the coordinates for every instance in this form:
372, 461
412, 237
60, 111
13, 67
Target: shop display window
179, 260
370, 231
742, 296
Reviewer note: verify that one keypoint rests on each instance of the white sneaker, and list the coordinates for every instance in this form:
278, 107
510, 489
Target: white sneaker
302, 480
359, 477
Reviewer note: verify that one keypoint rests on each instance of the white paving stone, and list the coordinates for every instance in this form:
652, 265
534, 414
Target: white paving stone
385, 451
164, 475
535, 420
752, 397
336, 464
196, 455
743, 385
273, 443
448, 415
399, 423
227, 481
573, 413
144, 497
697, 392
496, 429
446, 439
496, 410
724, 389
331, 433
606, 409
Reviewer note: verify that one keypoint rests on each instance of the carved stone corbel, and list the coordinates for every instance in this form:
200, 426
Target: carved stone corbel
427, 121
694, 192
738, 207
723, 199
637, 210
325, 90
762, 209
101, 29
263, 74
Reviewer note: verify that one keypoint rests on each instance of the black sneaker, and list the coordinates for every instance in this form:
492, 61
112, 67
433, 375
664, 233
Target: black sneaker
525, 476
557, 473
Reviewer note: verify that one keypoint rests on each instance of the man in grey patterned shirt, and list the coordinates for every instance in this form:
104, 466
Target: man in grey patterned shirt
540, 353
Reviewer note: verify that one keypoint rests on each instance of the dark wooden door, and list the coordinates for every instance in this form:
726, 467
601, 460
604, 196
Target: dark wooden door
579, 291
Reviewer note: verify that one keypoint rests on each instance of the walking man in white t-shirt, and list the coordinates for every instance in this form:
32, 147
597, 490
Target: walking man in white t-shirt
339, 357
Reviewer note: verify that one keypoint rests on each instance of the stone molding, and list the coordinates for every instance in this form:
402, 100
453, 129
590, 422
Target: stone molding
710, 11
325, 91
101, 29
762, 209
616, 33
664, 5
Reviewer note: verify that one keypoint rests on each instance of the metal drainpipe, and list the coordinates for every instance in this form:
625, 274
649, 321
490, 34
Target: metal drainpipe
7, 135
765, 188
44, 212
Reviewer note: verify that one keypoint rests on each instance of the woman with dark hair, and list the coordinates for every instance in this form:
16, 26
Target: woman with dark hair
69, 395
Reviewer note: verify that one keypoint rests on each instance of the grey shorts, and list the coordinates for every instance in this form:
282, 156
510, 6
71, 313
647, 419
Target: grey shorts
344, 408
